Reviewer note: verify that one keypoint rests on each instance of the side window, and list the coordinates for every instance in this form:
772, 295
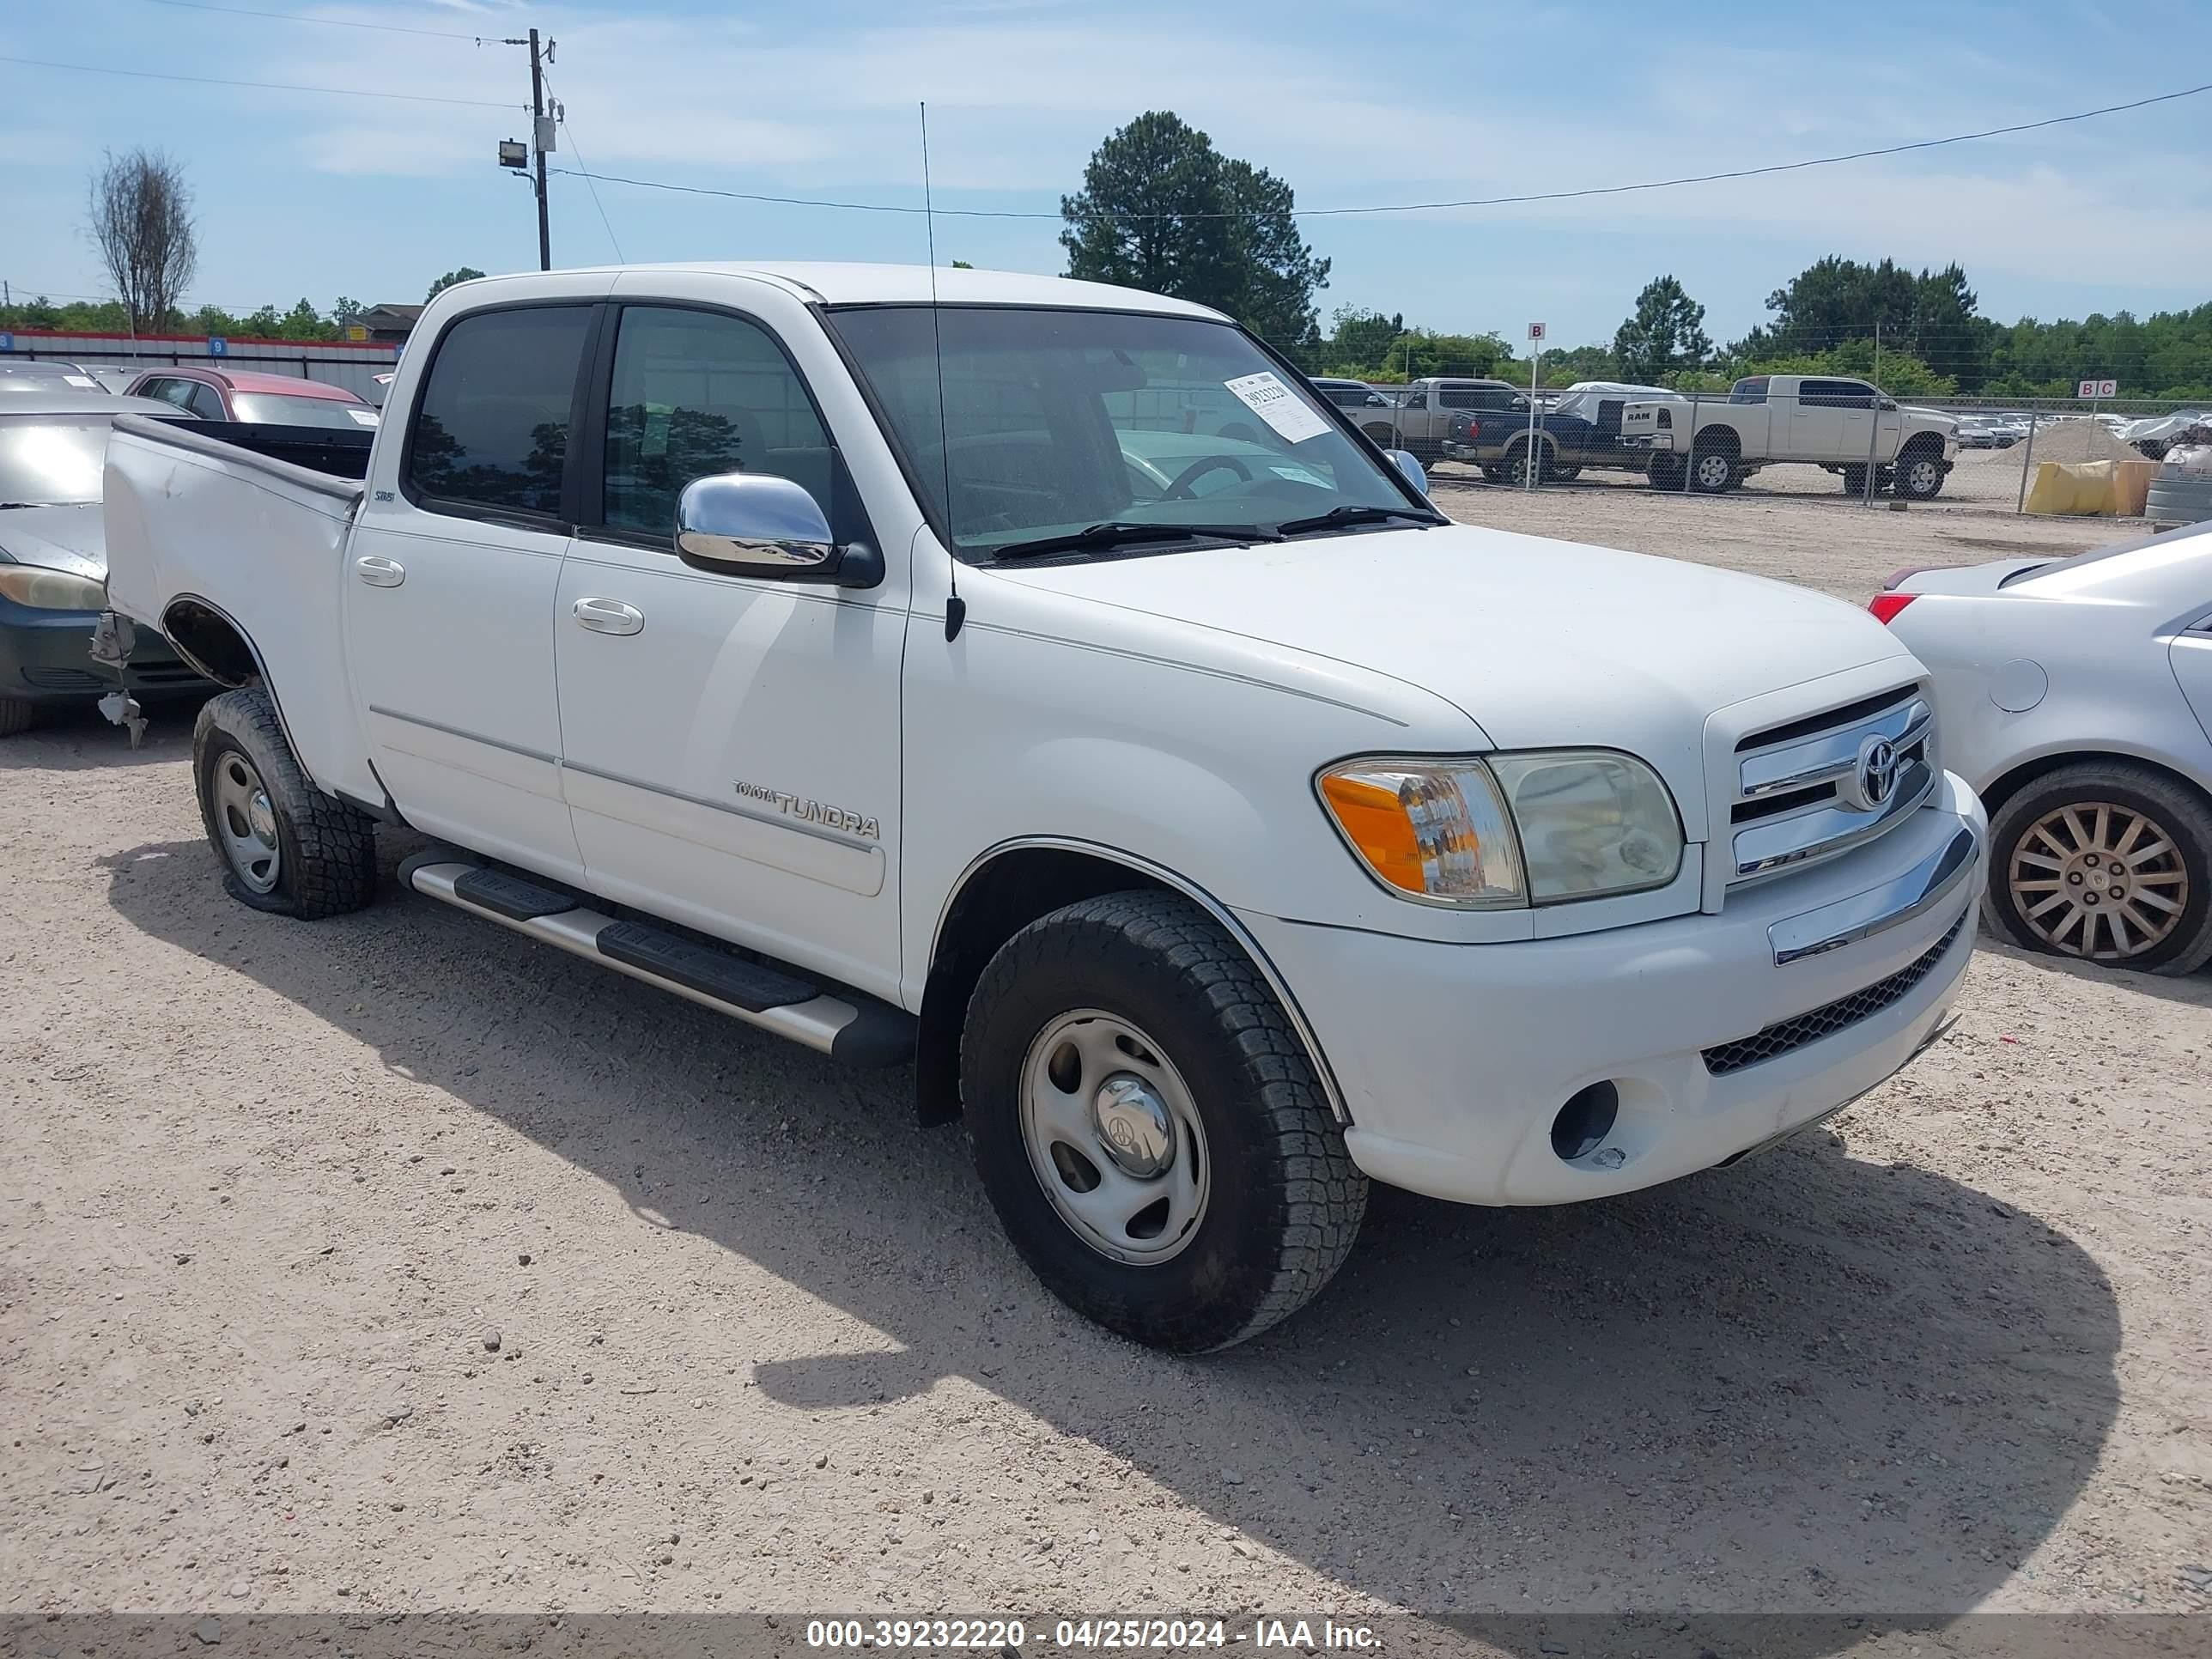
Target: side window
695, 394
1418, 400
1751, 391
1459, 397
204, 400
492, 430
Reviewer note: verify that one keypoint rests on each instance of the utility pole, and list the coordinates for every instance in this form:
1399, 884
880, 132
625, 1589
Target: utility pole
538, 124
511, 154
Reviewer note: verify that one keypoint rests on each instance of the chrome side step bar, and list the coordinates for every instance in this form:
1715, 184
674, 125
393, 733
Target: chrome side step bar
847, 1027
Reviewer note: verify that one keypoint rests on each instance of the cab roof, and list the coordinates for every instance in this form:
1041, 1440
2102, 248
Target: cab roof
835, 284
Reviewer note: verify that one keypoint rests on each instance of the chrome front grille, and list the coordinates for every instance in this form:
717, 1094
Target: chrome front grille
1818, 786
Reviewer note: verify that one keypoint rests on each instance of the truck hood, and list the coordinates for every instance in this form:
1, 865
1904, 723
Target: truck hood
71, 538
1538, 643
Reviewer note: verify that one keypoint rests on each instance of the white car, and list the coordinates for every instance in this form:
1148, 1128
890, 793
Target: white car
1210, 822
2076, 697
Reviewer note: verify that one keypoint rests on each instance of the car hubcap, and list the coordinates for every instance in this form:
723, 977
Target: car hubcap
2098, 880
1115, 1138
246, 823
1712, 471
1920, 477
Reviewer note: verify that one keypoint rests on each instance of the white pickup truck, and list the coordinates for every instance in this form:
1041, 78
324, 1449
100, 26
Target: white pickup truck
1839, 425
1211, 824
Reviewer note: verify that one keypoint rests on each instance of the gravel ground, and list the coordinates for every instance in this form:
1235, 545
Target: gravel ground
388, 1264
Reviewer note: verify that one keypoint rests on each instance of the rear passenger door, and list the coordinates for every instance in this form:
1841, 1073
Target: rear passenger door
451, 578
730, 743
1815, 422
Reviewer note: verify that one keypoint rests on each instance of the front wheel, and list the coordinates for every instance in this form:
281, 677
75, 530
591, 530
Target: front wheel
286, 847
1148, 1125
2107, 861
17, 715
1919, 477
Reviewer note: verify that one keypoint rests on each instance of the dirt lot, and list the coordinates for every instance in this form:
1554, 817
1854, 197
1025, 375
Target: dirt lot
275, 1191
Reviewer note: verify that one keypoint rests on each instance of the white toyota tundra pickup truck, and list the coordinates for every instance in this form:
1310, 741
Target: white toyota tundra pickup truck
1036, 683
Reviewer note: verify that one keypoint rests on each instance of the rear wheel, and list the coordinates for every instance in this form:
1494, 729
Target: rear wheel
286, 847
1516, 463
1714, 472
2107, 861
1149, 1129
17, 715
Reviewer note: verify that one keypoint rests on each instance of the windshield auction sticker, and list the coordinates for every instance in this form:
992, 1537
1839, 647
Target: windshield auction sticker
1273, 402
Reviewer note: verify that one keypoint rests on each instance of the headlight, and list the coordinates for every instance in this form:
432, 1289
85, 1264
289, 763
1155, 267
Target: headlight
50, 590
1513, 831
1591, 821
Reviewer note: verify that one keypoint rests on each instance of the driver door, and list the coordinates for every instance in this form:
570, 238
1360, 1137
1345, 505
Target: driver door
730, 743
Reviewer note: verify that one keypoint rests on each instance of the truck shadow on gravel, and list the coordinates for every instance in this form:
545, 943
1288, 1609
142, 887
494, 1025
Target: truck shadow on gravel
1808, 1384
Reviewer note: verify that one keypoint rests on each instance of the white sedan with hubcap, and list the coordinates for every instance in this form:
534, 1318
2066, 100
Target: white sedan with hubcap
2075, 695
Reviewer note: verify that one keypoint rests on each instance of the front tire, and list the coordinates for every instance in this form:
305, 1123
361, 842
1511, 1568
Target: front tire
17, 715
1919, 477
1148, 1125
2105, 861
285, 847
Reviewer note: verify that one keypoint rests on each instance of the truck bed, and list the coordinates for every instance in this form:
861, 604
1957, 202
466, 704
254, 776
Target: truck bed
204, 515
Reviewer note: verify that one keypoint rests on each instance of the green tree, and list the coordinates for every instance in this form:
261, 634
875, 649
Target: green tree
1358, 339
461, 273
1666, 332
1161, 209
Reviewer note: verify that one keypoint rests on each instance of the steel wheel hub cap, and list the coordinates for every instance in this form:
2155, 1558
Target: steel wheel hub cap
1113, 1137
1711, 470
246, 823
2098, 880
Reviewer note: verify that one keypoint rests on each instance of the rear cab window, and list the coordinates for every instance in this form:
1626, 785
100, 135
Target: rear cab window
1750, 390
490, 433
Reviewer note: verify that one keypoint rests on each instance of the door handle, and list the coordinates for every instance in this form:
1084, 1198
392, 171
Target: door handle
379, 573
608, 617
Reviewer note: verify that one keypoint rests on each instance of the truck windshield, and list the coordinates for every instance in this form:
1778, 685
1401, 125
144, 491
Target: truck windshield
51, 463
1065, 420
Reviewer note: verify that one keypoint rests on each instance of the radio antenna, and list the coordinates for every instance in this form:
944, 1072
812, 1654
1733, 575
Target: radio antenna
955, 608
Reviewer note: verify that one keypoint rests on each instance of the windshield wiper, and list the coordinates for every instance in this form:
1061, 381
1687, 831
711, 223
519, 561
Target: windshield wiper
1122, 533
1337, 517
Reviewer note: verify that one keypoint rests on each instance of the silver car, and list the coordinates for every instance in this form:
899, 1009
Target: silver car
2076, 697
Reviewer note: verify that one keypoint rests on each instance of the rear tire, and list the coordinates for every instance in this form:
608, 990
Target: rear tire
1714, 472
17, 715
285, 847
1516, 463
1139, 998
2061, 845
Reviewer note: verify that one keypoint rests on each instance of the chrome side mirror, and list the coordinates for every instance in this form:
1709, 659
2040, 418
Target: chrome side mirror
1415, 475
752, 521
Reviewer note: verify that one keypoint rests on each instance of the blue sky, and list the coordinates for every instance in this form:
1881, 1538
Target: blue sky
304, 194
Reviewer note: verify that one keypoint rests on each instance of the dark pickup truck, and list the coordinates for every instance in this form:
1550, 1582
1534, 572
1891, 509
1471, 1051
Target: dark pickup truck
1583, 428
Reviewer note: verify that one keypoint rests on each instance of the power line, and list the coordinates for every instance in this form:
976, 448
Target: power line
256, 86
1431, 207
332, 22
585, 166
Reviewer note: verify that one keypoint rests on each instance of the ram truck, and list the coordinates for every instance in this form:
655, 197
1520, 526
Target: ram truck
1030, 683
1841, 426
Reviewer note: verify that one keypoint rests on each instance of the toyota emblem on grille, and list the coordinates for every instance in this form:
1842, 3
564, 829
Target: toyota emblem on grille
1874, 779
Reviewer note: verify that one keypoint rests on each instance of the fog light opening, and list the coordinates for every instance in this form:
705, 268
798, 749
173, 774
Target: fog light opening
1585, 1120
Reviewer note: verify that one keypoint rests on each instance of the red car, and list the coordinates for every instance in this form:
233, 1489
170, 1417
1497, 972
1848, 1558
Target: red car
227, 394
